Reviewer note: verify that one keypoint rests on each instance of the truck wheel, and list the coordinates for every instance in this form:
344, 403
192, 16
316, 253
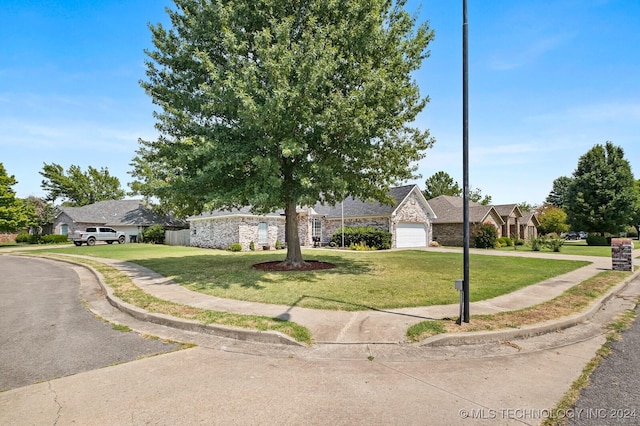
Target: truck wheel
91, 242
121, 239
77, 243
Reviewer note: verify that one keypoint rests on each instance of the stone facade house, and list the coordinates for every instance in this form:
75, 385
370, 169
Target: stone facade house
448, 225
408, 219
128, 216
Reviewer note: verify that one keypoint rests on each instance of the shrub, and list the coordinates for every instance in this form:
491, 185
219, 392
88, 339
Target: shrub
154, 234
361, 246
485, 236
235, 247
505, 242
22, 237
252, 246
597, 240
278, 245
555, 243
537, 243
54, 239
371, 237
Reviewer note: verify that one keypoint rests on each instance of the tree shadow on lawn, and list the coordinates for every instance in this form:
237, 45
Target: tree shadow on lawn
223, 272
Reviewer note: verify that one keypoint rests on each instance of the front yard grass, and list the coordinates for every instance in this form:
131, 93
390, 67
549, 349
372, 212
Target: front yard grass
578, 248
572, 301
361, 281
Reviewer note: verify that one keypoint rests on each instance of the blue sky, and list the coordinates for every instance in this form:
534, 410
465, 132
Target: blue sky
547, 81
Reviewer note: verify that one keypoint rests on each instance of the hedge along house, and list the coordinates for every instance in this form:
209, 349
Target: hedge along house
128, 216
448, 225
408, 219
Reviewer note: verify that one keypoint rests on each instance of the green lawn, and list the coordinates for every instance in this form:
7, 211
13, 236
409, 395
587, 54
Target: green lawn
579, 248
362, 280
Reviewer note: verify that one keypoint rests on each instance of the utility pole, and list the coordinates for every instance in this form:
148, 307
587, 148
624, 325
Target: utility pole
465, 157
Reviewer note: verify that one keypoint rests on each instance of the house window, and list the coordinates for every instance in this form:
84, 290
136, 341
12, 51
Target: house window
262, 233
64, 229
316, 230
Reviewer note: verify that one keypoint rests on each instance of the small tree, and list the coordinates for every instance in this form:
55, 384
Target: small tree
441, 183
552, 220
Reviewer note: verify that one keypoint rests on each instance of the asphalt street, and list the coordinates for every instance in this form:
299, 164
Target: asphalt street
613, 396
47, 332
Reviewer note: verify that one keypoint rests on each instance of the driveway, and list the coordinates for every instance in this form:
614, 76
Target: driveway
46, 331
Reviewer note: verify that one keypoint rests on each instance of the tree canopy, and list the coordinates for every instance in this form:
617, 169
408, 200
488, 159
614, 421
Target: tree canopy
275, 104
441, 183
13, 215
77, 188
552, 220
558, 193
601, 196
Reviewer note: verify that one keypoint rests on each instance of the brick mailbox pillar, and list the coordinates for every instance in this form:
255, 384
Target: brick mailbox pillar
622, 254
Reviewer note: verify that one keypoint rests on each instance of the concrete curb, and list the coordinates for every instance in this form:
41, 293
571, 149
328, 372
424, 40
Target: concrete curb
471, 338
237, 333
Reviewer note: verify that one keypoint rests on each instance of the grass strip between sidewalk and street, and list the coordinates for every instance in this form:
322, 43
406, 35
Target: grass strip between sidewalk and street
124, 288
572, 301
558, 415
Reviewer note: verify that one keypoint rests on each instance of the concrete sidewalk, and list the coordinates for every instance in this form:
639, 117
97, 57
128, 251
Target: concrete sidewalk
372, 326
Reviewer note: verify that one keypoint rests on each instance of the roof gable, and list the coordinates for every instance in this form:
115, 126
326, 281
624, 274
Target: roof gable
449, 209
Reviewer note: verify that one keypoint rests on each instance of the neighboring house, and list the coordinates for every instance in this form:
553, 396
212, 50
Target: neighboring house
128, 216
408, 219
511, 216
448, 226
529, 226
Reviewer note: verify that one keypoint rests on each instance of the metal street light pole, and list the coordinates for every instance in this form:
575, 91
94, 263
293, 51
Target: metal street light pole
465, 158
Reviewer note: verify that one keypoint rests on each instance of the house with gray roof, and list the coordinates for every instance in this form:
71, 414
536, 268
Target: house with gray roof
448, 225
128, 216
408, 219
508, 220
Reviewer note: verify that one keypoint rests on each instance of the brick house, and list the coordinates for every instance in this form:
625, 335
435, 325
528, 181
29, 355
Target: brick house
448, 225
408, 219
511, 216
128, 216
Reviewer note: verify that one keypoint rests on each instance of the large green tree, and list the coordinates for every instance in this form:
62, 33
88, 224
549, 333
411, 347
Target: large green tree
275, 104
77, 188
558, 193
13, 216
601, 196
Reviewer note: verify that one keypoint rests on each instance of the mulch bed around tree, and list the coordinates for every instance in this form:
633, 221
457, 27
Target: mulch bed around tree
309, 265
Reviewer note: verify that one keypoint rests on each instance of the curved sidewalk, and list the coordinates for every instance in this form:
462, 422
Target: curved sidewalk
372, 326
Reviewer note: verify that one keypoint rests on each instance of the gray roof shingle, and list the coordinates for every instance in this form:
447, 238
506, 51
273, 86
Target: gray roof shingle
119, 213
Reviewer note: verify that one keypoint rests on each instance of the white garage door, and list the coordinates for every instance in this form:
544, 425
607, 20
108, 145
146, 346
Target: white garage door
411, 235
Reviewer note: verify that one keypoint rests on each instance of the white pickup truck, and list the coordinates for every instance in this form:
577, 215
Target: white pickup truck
97, 233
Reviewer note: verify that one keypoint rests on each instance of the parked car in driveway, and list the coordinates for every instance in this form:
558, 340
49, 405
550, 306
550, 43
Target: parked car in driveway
572, 236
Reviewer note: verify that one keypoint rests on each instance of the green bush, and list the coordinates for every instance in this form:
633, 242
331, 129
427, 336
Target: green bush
278, 245
153, 234
372, 238
537, 243
235, 247
555, 243
54, 239
485, 236
598, 240
23, 237
252, 246
505, 242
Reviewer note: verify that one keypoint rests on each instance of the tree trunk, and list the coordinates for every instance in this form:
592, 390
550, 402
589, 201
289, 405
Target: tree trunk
294, 253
